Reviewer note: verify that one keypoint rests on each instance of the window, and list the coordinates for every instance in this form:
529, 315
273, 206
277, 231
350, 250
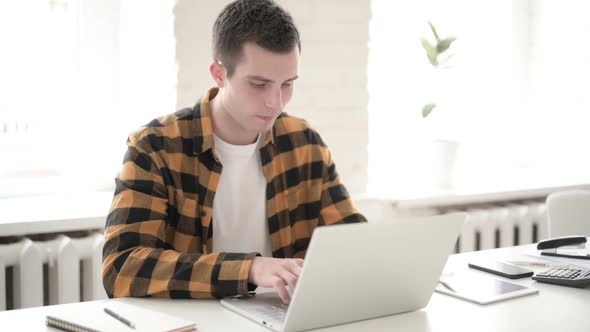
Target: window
76, 83
513, 99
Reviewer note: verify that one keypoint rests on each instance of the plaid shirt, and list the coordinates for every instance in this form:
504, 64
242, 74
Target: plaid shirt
158, 235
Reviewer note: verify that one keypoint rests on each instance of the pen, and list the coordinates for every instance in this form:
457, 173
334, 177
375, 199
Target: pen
524, 263
119, 317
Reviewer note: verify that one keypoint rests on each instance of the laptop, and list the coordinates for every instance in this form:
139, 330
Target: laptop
360, 271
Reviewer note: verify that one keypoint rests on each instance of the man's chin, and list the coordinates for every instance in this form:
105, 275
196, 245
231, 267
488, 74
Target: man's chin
265, 125
263, 130
259, 129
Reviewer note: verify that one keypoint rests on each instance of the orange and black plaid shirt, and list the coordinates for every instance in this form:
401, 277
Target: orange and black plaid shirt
158, 235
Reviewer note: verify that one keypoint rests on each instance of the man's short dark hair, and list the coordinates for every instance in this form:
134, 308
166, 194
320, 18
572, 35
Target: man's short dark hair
259, 21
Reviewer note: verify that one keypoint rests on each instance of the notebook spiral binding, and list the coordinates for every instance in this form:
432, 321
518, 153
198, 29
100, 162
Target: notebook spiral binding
67, 326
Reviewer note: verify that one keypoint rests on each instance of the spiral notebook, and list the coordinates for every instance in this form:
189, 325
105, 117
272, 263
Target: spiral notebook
91, 317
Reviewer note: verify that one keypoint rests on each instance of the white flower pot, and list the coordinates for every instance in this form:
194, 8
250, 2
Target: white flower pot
444, 155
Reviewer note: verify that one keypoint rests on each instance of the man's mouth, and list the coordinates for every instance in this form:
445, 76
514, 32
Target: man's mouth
266, 118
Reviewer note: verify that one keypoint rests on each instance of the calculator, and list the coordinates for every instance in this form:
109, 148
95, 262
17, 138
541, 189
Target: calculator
565, 276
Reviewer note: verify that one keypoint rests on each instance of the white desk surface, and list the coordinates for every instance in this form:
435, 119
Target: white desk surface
555, 308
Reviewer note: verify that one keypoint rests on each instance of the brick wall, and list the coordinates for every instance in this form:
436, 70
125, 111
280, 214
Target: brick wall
331, 92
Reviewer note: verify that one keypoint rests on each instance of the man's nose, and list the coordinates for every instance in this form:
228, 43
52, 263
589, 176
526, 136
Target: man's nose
274, 101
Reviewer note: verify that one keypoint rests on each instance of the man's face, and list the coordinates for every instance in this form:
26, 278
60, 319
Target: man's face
260, 87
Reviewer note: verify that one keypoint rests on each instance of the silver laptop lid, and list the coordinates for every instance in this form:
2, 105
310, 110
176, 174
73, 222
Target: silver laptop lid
361, 271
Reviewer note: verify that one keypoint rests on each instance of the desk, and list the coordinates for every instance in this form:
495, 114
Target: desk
555, 308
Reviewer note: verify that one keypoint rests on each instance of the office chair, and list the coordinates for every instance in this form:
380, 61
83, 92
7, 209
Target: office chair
568, 213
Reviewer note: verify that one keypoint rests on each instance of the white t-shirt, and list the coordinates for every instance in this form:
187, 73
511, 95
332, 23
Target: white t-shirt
239, 206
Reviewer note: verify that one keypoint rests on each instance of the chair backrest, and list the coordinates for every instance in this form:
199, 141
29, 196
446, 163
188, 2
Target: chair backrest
569, 213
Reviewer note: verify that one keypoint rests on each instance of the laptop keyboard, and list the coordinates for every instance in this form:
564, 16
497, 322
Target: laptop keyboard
276, 312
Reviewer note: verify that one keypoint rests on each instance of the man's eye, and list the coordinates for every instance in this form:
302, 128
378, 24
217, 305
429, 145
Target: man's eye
287, 84
258, 85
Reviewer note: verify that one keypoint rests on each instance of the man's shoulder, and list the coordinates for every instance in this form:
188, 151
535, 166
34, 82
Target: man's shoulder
294, 129
174, 128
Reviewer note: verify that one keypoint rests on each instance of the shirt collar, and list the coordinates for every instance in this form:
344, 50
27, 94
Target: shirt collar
203, 125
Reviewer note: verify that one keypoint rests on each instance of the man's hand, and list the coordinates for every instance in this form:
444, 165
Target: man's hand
277, 273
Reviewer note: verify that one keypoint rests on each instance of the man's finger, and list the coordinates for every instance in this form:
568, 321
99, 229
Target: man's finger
295, 269
289, 278
279, 286
299, 261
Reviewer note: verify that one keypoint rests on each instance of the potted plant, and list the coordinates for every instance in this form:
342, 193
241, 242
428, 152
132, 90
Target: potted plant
444, 149
438, 58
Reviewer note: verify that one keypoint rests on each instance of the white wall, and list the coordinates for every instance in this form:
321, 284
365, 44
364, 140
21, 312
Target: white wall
332, 89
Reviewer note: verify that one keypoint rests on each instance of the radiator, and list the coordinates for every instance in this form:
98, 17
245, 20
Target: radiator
488, 226
60, 270
502, 225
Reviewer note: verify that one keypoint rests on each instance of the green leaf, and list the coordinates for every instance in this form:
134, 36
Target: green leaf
430, 52
426, 109
444, 44
434, 31
444, 62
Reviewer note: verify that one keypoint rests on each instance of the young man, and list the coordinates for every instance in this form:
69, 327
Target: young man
217, 199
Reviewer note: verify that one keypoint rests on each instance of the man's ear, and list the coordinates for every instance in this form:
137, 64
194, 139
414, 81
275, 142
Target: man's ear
217, 72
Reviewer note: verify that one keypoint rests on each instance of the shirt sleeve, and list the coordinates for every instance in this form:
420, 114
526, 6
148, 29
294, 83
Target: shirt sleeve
336, 205
138, 257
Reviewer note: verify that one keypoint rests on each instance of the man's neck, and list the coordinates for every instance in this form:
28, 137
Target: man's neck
225, 127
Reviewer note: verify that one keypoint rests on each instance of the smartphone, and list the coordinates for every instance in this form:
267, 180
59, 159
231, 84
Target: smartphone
502, 269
